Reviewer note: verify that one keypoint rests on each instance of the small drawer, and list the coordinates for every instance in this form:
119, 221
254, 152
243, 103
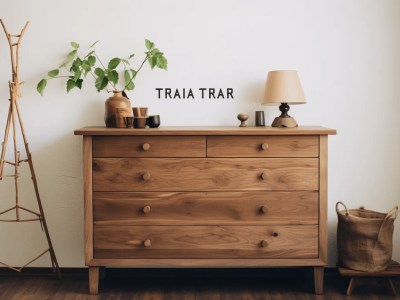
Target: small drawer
201, 208
113, 242
262, 146
149, 146
209, 174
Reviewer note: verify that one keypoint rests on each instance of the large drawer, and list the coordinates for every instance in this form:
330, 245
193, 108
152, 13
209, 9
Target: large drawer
205, 208
173, 174
206, 241
149, 146
262, 146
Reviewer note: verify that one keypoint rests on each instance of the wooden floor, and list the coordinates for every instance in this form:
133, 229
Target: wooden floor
185, 284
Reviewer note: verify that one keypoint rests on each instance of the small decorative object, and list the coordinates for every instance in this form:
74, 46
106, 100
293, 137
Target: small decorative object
283, 86
243, 118
140, 122
121, 113
260, 120
154, 121
365, 238
107, 76
128, 122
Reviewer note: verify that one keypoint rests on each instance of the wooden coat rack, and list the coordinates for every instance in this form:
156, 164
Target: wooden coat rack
13, 120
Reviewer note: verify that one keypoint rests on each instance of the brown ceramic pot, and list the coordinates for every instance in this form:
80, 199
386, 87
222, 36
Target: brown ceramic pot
111, 105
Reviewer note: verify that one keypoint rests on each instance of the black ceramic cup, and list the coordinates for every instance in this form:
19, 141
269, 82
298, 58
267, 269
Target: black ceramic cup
260, 120
153, 121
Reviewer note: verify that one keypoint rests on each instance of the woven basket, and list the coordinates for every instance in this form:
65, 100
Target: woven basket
365, 238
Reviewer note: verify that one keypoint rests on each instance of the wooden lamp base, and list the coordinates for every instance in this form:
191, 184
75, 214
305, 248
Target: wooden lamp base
284, 122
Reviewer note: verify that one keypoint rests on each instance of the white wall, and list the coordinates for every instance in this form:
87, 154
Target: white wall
346, 53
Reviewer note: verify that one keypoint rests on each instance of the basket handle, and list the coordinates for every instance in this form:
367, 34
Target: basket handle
392, 214
345, 207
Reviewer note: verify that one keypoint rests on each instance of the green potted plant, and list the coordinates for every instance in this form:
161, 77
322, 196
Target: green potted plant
118, 76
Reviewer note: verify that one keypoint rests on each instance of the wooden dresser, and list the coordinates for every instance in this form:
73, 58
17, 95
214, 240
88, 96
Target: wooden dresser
205, 197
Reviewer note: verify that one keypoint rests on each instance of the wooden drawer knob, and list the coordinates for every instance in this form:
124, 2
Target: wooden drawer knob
146, 209
263, 176
146, 146
146, 176
264, 209
264, 243
147, 243
264, 146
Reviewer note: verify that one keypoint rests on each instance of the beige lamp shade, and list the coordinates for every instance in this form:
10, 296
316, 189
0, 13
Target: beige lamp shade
283, 86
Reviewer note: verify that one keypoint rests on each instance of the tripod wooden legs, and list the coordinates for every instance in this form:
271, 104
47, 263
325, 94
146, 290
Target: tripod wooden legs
14, 118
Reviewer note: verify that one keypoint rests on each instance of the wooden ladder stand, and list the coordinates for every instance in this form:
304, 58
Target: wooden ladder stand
13, 118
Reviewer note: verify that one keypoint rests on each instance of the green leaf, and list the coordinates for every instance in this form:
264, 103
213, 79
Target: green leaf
41, 85
130, 56
76, 64
162, 62
153, 61
78, 83
113, 76
149, 44
78, 74
114, 63
86, 67
94, 44
125, 61
70, 84
91, 60
129, 85
101, 83
99, 72
75, 45
53, 73
155, 51
71, 55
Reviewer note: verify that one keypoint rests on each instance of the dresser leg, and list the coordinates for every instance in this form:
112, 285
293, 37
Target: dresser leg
94, 280
319, 280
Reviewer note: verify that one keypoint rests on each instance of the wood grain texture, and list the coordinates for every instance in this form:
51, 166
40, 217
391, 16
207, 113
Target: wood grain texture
262, 146
149, 146
94, 280
172, 174
393, 270
206, 130
156, 200
88, 204
207, 262
183, 284
323, 198
206, 241
319, 280
205, 208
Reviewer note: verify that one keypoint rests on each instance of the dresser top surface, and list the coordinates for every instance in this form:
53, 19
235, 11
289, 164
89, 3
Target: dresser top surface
206, 130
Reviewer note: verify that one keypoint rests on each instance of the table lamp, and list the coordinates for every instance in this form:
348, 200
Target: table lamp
283, 86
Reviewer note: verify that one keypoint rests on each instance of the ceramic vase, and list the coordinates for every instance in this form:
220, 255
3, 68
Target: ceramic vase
111, 105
